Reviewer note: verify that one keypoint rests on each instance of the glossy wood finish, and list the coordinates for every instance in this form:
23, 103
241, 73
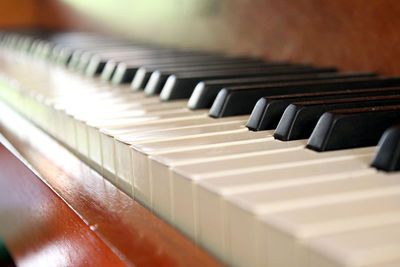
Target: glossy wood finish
353, 35
105, 219
38, 227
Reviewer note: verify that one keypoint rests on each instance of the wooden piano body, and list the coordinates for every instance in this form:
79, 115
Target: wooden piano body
58, 214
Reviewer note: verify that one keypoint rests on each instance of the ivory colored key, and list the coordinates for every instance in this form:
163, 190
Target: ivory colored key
141, 152
136, 110
244, 210
284, 236
159, 167
211, 193
185, 178
67, 115
122, 144
101, 133
363, 248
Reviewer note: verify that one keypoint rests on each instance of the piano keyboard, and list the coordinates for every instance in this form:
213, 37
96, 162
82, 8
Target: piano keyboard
260, 163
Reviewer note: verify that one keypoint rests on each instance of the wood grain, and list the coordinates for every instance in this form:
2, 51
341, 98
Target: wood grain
135, 235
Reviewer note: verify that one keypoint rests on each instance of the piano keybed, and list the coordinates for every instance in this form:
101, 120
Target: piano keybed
245, 196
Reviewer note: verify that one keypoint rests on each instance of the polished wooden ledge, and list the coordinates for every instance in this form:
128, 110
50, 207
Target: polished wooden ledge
55, 210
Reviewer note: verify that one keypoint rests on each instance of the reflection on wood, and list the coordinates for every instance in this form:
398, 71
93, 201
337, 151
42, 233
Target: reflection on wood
110, 216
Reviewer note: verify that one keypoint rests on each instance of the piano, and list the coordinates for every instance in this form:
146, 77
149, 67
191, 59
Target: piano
240, 134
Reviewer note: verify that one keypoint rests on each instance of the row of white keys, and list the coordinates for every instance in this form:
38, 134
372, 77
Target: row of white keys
135, 111
160, 164
378, 246
100, 133
245, 210
69, 122
185, 177
284, 236
122, 161
140, 153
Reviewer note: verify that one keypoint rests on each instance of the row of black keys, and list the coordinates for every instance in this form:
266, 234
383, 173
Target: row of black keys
334, 110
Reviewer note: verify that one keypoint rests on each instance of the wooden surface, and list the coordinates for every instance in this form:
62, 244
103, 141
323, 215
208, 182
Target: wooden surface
96, 224
38, 227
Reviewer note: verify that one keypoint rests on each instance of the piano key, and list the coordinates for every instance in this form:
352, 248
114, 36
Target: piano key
365, 127
293, 230
269, 109
123, 142
121, 120
185, 177
387, 155
367, 247
244, 209
97, 62
126, 70
78, 53
160, 165
141, 154
205, 92
159, 78
175, 110
212, 192
182, 85
143, 74
241, 100
300, 118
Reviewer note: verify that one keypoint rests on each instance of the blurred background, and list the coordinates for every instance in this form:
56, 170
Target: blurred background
354, 35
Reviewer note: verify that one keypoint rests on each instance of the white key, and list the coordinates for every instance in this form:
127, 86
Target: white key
141, 153
243, 210
284, 236
185, 178
211, 192
378, 246
123, 143
160, 165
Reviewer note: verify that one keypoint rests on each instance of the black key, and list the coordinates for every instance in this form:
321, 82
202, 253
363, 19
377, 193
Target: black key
387, 156
299, 118
181, 86
144, 73
268, 110
240, 100
126, 71
98, 61
205, 92
79, 52
159, 76
84, 58
67, 50
133, 51
351, 128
